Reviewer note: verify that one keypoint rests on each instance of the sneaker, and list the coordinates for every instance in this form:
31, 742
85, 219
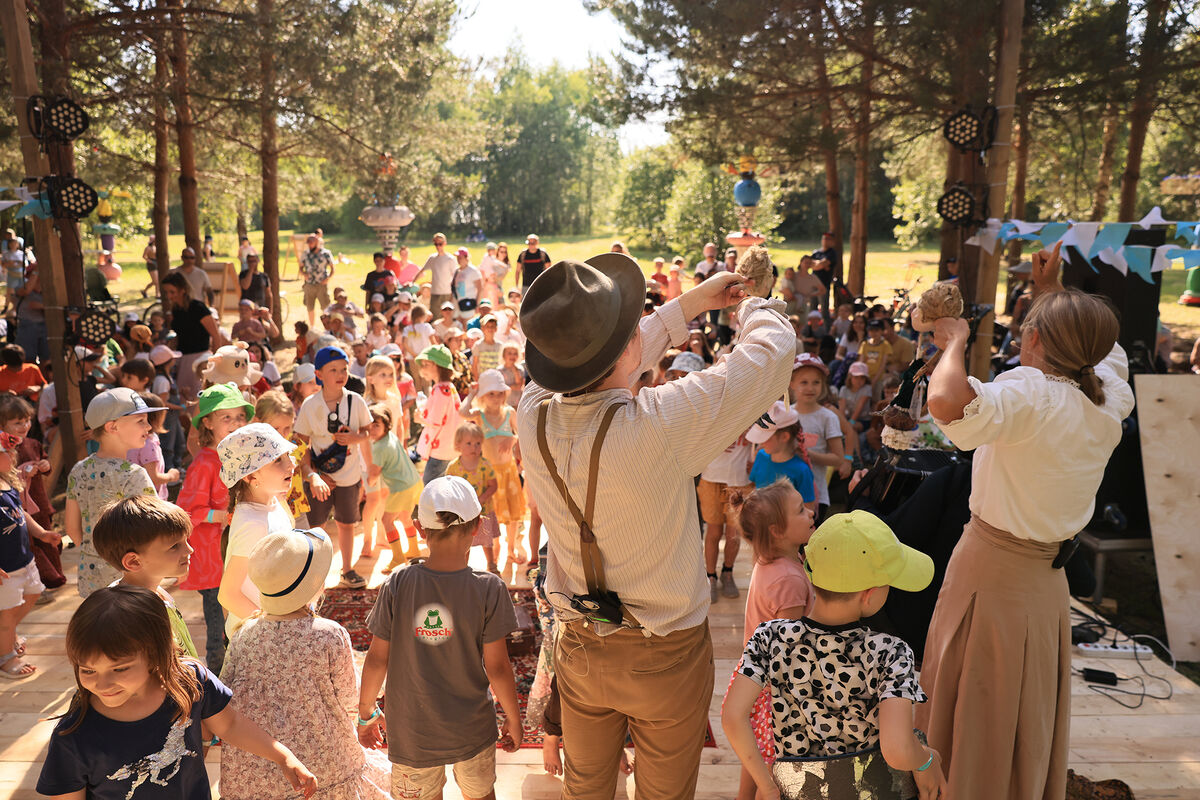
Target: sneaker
728, 587
712, 590
352, 580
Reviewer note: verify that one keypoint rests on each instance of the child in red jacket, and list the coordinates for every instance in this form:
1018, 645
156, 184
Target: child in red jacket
206, 500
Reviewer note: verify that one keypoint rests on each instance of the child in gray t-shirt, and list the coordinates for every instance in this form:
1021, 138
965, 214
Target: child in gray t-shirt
438, 637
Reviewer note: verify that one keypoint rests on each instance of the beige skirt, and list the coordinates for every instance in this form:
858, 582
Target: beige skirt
997, 669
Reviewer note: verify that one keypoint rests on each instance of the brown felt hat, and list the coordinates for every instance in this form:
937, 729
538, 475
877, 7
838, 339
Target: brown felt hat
578, 318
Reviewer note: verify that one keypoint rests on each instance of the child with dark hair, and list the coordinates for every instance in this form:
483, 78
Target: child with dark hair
467, 615
138, 708
17, 376
136, 374
781, 453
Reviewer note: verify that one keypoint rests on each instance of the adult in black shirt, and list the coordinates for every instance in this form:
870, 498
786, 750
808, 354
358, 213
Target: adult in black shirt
195, 329
255, 284
531, 262
374, 282
830, 271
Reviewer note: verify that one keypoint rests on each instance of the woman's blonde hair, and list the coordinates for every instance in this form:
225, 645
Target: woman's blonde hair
1076, 331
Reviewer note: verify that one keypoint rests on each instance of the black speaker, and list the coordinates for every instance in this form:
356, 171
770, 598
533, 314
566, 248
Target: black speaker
1135, 300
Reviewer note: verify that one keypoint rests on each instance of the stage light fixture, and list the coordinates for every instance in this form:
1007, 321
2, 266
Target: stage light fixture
66, 119
94, 328
72, 197
957, 206
967, 130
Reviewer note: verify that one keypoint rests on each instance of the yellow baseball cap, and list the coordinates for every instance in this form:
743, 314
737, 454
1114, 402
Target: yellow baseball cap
857, 551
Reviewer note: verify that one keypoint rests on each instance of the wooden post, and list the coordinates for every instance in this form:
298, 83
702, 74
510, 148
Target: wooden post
1007, 71
19, 51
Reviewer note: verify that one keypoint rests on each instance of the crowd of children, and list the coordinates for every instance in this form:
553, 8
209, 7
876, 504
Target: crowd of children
402, 428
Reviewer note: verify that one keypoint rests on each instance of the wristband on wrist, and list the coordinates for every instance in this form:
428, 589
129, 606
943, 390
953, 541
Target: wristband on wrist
848, 458
927, 764
209, 516
362, 723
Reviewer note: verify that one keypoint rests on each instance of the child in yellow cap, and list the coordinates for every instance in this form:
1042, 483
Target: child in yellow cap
837, 687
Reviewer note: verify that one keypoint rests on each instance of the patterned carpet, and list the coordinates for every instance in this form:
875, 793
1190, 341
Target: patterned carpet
350, 607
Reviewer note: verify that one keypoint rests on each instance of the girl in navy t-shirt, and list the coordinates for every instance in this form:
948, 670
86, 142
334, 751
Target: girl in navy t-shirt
133, 729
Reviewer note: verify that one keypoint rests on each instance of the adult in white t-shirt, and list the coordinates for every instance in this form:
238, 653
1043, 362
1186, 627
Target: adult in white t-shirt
468, 284
442, 266
493, 270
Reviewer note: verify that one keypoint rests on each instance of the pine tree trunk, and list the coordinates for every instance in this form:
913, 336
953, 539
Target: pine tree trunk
1104, 172
1021, 155
159, 215
243, 227
185, 128
829, 153
269, 154
857, 276
1145, 98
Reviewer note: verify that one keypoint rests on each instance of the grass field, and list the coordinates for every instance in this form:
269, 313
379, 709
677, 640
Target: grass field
888, 267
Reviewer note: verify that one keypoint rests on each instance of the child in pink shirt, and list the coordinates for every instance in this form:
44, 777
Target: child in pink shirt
777, 523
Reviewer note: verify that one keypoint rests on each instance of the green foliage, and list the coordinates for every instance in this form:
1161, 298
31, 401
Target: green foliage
915, 168
645, 189
701, 209
550, 161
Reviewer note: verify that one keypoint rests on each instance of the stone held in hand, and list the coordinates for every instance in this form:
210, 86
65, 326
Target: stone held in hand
756, 268
937, 302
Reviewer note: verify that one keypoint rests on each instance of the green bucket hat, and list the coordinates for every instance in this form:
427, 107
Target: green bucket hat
219, 396
439, 354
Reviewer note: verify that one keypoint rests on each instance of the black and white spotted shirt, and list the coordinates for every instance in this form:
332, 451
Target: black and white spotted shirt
826, 683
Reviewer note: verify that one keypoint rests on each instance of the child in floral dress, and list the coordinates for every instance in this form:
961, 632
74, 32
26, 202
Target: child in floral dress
294, 672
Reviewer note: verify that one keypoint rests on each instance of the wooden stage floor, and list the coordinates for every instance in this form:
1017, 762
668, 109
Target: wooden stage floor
1155, 748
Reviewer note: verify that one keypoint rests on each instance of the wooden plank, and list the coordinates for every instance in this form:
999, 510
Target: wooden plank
1169, 427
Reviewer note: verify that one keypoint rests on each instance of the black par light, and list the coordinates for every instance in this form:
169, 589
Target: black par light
968, 130
71, 197
94, 328
957, 206
56, 119
66, 119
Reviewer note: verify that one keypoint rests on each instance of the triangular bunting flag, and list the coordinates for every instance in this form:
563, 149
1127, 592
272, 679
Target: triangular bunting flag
1139, 257
1191, 258
1052, 232
1081, 235
1186, 231
1111, 236
1155, 217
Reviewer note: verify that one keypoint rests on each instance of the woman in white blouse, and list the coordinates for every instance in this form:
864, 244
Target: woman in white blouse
997, 663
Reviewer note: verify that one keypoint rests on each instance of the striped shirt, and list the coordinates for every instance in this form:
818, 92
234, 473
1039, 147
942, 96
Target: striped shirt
645, 516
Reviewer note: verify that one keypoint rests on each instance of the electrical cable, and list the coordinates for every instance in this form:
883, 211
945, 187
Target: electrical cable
1101, 627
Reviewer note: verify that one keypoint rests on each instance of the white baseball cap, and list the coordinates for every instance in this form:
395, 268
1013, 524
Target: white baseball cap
782, 416
448, 493
377, 298
390, 349
304, 373
405, 297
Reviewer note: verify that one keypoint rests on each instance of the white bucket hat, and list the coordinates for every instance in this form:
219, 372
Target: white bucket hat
687, 361
249, 449
491, 380
289, 568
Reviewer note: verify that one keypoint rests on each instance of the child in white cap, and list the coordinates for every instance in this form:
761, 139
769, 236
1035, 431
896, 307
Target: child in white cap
837, 687
438, 631
294, 672
256, 467
118, 420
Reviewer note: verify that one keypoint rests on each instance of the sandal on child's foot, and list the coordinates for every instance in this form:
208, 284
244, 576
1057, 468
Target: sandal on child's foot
15, 669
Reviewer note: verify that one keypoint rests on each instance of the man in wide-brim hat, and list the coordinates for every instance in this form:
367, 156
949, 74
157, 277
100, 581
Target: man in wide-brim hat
587, 345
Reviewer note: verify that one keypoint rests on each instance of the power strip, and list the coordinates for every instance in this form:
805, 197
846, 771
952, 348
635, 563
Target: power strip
1115, 650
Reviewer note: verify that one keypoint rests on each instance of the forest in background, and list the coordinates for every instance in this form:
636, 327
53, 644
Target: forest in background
223, 115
